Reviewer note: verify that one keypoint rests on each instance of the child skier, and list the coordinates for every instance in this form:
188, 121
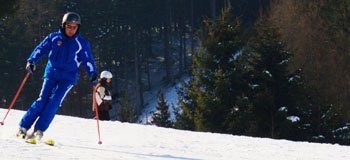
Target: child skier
103, 95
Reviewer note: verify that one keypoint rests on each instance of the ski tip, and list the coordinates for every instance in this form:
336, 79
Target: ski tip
31, 141
100, 142
50, 142
2, 123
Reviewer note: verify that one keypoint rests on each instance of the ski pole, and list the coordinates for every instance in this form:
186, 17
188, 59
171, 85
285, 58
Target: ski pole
15, 98
96, 111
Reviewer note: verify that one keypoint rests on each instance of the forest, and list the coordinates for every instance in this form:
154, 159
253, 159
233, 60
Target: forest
266, 68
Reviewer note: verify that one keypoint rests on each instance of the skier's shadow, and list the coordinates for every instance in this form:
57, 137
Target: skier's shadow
139, 154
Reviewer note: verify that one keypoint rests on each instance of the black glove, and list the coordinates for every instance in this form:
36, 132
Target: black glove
30, 67
93, 79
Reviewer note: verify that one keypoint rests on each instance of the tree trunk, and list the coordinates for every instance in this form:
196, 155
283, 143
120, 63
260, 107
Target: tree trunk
272, 125
149, 46
191, 34
167, 52
139, 96
213, 9
182, 44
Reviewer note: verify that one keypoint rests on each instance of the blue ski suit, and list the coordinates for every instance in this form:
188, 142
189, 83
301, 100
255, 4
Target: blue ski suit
65, 54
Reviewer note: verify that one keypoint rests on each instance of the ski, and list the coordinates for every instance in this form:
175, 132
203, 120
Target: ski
32, 140
49, 142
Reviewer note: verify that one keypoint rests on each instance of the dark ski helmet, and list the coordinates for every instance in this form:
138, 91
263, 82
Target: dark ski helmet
71, 17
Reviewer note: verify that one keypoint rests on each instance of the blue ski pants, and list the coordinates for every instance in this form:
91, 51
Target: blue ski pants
43, 110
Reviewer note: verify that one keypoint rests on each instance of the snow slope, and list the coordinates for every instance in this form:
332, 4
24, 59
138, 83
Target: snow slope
76, 138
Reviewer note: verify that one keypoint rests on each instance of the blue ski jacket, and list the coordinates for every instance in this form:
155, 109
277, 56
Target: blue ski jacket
65, 56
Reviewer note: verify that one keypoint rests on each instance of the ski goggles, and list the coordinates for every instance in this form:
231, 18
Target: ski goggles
72, 27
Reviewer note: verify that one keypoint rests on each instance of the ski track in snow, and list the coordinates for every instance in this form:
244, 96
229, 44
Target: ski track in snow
76, 138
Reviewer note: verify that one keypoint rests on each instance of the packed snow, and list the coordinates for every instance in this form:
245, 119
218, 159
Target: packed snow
77, 138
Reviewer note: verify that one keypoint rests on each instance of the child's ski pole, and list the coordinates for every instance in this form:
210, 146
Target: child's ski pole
97, 117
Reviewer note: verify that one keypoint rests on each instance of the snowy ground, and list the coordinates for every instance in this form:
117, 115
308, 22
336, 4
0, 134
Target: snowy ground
76, 138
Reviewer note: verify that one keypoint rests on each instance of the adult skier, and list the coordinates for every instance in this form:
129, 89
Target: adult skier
66, 50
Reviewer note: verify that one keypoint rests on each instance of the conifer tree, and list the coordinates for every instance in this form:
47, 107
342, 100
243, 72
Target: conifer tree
162, 116
216, 81
125, 113
275, 92
184, 114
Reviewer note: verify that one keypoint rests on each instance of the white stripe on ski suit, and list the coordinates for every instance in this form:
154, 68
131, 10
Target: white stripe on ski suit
68, 89
76, 53
91, 67
53, 39
38, 51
